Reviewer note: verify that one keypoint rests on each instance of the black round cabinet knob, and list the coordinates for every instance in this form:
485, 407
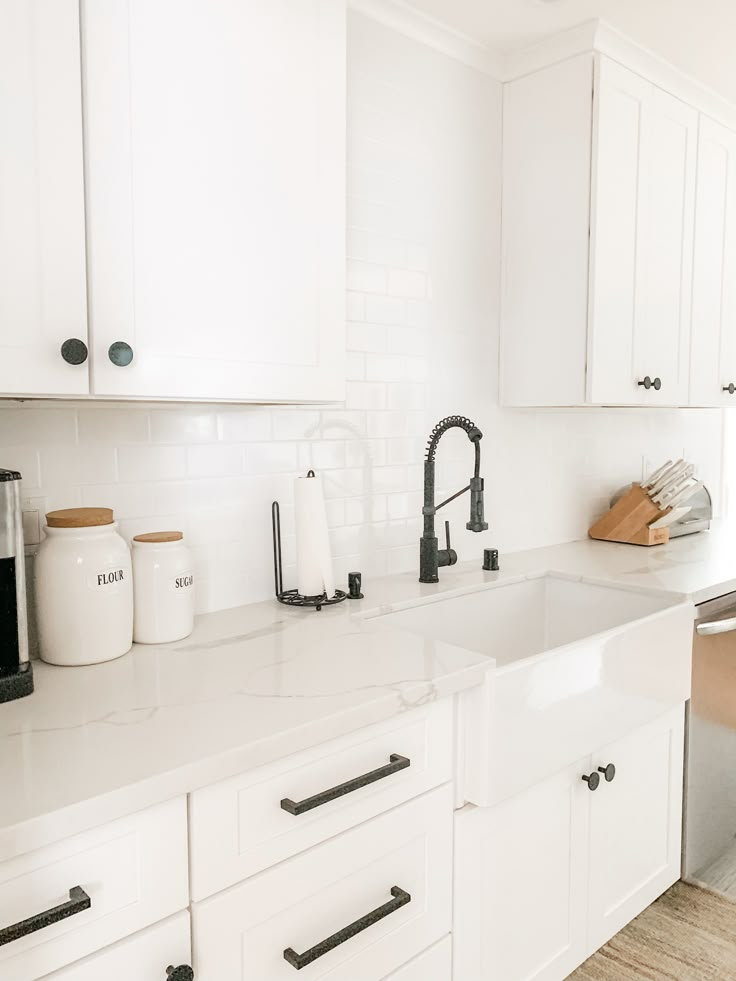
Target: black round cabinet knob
120, 354
181, 973
74, 351
729, 388
592, 780
648, 383
609, 772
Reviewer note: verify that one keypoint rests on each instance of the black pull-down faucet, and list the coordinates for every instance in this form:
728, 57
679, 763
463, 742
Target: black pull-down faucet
431, 557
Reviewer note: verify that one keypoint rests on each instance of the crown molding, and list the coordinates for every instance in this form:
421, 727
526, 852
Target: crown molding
406, 20
598, 35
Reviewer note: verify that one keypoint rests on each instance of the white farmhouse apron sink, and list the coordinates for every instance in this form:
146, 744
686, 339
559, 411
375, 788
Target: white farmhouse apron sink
578, 664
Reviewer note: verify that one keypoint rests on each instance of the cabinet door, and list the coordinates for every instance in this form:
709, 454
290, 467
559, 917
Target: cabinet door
215, 137
635, 825
713, 345
42, 255
643, 198
520, 883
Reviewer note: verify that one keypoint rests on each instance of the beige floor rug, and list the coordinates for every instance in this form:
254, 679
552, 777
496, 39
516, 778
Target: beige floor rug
689, 934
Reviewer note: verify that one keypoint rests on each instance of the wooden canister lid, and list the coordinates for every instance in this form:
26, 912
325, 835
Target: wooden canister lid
156, 537
79, 518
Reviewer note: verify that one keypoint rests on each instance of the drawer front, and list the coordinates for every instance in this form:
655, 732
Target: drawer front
134, 872
142, 957
433, 965
239, 827
309, 902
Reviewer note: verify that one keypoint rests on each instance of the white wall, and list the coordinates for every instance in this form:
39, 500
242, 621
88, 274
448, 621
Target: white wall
423, 241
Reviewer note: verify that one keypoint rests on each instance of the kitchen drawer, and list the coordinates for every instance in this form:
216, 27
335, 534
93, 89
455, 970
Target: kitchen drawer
134, 872
239, 827
434, 964
142, 957
243, 933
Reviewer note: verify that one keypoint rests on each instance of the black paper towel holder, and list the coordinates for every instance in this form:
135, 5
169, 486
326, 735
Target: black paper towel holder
292, 597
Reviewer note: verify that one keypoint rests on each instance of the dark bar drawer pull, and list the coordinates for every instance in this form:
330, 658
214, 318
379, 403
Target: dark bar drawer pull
300, 807
299, 961
78, 901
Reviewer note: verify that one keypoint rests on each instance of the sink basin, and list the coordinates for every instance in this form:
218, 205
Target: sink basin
516, 620
578, 665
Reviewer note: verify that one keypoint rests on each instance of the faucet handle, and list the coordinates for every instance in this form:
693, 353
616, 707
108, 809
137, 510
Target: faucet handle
447, 535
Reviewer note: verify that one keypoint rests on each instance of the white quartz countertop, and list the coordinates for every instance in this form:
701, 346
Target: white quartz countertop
257, 683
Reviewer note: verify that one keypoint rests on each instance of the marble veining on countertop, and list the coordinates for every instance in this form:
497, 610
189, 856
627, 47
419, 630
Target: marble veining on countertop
249, 686
260, 682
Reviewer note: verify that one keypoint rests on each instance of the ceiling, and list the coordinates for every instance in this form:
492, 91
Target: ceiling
699, 36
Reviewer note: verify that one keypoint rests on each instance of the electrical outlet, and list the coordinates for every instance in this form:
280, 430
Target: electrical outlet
34, 511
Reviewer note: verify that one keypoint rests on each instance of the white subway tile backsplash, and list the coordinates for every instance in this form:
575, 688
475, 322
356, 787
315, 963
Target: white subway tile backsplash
407, 283
244, 424
34, 426
185, 424
365, 395
368, 277
77, 464
24, 459
296, 424
355, 306
366, 337
387, 368
144, 463
123, 424
214, 460
263, 458
389, 310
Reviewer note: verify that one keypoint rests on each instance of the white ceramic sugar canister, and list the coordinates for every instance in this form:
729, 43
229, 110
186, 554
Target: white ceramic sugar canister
163, 583
84, 588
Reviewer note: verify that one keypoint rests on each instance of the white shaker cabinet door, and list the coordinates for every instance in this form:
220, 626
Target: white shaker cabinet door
713, 343
520, 883
42, 254
635, 825
215, 138
643, 196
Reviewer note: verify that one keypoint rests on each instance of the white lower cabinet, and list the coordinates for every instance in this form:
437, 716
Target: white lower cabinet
355, 908
142, 957
544, 878
635, 826
77, 896
434, 964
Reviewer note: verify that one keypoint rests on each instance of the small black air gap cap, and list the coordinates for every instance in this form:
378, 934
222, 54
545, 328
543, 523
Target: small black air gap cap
9, 475
354, 585
490, 560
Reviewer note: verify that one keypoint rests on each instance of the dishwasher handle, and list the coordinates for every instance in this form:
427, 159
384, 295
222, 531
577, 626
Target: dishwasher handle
711, 627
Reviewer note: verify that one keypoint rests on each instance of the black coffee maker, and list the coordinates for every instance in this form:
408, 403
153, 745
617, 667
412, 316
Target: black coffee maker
16, 672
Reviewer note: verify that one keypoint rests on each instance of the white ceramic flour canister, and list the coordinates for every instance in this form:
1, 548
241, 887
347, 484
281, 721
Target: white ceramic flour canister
163, 583
84, 588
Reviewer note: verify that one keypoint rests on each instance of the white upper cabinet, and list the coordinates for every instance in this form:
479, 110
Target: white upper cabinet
599, 193
713, 347
643, 196
215, 151
42, 258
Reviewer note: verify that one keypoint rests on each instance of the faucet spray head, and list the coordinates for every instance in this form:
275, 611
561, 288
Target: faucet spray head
477, 522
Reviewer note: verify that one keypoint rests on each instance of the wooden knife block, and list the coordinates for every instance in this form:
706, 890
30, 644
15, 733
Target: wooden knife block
629, 519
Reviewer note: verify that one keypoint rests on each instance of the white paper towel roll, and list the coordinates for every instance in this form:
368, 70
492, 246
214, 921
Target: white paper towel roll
313, 557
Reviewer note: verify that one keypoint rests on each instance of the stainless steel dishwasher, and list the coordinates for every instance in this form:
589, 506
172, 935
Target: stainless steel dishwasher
710, 811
